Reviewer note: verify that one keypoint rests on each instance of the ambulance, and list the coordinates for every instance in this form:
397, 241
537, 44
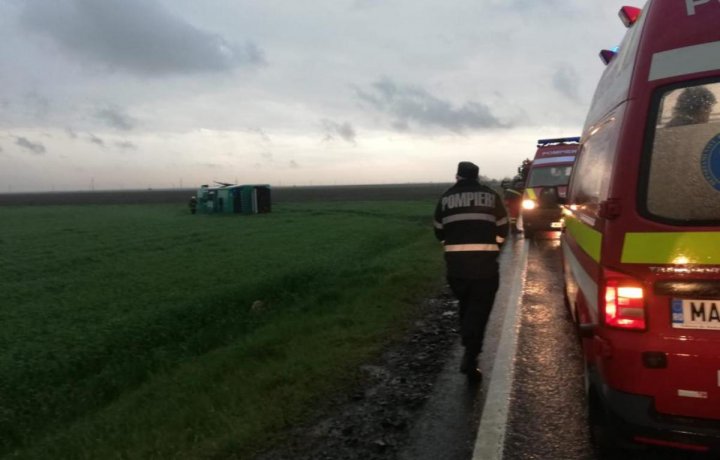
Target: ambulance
548, 175
641, 242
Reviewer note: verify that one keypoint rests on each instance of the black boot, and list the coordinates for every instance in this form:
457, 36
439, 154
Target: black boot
469, 366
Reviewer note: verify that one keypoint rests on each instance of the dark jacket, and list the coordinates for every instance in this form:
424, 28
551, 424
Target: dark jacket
471, 221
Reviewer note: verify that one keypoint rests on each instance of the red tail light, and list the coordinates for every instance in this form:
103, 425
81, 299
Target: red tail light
624, 305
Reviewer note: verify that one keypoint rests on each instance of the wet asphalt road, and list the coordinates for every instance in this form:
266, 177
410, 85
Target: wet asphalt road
548, 407
448, 425
547, 417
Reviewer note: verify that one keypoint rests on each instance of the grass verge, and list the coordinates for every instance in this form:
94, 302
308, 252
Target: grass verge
134, 336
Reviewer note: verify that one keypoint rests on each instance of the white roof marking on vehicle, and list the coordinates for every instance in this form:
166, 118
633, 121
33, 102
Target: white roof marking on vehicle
686, 60
546, 161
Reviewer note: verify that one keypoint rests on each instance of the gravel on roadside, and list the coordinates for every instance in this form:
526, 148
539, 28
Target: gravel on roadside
373, 419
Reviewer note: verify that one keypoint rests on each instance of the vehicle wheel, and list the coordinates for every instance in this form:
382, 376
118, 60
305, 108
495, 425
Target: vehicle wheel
604, 438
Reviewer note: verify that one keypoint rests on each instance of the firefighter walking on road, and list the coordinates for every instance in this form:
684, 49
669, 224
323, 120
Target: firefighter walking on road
512, 195
471, 222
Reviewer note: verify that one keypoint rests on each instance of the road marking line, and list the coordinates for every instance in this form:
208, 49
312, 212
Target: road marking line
490, 438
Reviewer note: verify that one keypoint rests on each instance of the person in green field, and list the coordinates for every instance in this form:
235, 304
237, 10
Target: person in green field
472, 223
192, 204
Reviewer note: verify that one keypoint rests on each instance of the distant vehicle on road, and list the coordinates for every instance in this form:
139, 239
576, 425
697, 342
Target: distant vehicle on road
641, 247
547, 180
512, 197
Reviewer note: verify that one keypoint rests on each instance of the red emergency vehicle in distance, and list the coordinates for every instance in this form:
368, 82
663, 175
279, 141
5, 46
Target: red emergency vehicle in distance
547, 180
641, 246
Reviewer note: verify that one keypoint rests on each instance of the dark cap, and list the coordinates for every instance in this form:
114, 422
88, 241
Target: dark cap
467, 170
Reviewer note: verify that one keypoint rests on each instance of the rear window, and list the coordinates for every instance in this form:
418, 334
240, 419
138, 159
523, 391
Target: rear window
683, 179
547, 176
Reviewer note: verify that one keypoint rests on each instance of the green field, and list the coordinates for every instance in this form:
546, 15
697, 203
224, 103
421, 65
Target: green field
128, 331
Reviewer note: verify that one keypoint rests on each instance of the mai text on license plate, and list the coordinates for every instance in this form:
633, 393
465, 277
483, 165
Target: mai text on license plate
696, 314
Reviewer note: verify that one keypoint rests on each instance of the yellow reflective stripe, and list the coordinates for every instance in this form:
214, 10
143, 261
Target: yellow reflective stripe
700, 248
589, 239
531, 194
471, 247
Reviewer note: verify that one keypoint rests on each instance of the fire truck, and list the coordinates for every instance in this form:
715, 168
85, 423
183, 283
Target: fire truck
547, 180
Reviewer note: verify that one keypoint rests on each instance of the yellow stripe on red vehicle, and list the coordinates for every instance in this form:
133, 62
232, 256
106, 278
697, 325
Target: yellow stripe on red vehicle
698, 248
589, 239
531, 194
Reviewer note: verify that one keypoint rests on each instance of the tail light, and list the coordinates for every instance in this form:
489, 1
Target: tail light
624, 305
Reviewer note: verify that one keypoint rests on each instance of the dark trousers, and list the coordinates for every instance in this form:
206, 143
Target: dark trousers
475, 298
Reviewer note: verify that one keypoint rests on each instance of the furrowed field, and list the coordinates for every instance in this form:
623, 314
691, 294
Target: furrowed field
141, 331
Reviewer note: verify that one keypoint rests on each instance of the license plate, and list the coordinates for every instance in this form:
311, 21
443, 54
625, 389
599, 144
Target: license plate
556, 225
696, 314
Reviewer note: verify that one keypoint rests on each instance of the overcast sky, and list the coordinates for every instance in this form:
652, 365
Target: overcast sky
126, 94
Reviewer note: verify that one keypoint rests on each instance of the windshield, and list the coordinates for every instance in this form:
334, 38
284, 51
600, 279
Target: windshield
548, 176
684, 173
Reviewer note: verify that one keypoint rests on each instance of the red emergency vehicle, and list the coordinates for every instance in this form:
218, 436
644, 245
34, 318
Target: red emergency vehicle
547, 180
641, 245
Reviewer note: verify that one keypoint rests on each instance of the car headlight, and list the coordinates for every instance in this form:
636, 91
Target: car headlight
528, 204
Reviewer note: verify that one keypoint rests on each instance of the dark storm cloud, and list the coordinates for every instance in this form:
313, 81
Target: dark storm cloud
126, 145
139, 36
34, 147
565, 81
260, 132
344, 130
115, 118
407, 105
96, 140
